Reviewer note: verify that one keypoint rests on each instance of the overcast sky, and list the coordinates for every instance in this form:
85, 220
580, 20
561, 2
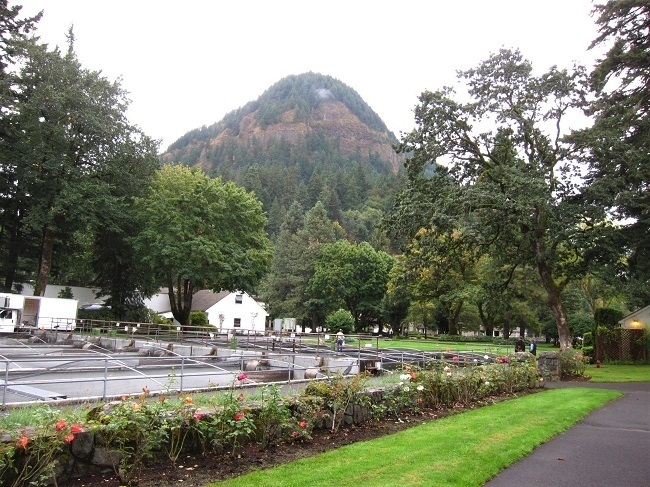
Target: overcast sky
187, 64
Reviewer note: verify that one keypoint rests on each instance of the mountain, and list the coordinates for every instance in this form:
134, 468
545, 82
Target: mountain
306, 111
307, 138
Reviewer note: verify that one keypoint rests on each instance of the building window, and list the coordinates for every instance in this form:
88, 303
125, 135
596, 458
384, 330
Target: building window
237, 323
239, 298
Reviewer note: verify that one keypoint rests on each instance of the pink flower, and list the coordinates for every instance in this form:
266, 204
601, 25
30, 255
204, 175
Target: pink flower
76, 428
241, 377
303, 424
294, 433
198, 415
60, 424
455, 358
447, 350
22, 441
239, 416
68, 438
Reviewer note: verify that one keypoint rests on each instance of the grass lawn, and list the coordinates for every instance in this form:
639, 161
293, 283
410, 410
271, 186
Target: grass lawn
461, 450
438, 346
619, 373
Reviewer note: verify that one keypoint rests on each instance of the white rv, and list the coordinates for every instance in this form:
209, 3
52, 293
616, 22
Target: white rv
17, 311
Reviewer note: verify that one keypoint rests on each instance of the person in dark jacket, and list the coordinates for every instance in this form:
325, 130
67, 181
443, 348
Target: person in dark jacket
520, 345
533, 347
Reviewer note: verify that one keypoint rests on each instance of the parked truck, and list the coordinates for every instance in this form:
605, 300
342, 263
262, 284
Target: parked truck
20, 312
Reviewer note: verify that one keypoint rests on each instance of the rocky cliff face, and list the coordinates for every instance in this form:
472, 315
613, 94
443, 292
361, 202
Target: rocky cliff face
331, 119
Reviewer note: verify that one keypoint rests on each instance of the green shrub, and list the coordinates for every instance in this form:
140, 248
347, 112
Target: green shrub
572, 363
198, 319
340, 320
607, 317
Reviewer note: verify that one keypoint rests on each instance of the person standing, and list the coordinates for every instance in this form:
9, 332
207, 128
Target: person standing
340, 339
533, 347
520, 345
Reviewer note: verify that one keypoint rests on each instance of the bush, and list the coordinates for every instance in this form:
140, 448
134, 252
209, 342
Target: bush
198, 319
340, 320
607, 317
572, 363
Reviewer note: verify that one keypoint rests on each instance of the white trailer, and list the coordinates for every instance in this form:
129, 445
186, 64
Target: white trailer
17, 311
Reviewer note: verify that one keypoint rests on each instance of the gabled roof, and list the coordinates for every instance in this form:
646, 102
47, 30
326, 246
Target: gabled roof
634, 313
201, 300
204, 300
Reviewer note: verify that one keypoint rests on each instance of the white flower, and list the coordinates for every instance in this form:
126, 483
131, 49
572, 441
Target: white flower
420, 388
475, 360
447, 369
401, 384
448, 374
486, 357
405, 377
406, 389
487, 383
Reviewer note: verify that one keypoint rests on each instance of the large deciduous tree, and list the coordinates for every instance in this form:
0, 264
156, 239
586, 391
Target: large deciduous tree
200, 233
617, 146
355, 276
510, 189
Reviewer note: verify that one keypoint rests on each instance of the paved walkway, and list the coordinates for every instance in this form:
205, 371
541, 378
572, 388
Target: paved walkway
609, 448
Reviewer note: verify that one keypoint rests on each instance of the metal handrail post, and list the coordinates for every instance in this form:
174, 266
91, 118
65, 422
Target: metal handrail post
182, 373
105, 378
4, 386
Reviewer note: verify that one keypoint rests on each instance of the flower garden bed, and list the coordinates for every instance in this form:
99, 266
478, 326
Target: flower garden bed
149, 440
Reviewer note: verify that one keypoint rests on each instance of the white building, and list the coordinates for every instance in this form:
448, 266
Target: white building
637, 320
225, 310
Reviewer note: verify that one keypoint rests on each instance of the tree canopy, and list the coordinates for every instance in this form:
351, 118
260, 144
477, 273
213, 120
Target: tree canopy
200, 233
617, 145
355, 276
507, 186
66, 146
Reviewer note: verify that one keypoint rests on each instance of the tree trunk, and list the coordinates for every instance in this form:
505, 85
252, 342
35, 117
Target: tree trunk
181, 300
45, 264
506, 325
485, 321
454, 312
554, 300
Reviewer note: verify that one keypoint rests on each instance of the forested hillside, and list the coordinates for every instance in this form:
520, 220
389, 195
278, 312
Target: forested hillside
308, 138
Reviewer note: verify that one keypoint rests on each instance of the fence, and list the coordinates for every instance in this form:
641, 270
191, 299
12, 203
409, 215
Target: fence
622, 344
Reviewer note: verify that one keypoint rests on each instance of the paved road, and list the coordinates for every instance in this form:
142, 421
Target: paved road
610, 447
